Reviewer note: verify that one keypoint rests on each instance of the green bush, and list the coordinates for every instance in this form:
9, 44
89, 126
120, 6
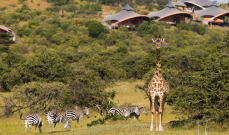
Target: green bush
42, 97
24, 8
95, 28
154, 29
60, 2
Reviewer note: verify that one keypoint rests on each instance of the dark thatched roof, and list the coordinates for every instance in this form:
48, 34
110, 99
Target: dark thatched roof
168, 11
126, 13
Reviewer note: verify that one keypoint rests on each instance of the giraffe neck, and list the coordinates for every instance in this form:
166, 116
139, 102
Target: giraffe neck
158, 64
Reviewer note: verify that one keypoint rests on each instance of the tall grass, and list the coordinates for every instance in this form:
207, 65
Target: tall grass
126, 95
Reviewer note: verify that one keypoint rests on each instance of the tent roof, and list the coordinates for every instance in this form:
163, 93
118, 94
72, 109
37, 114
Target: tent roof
167, 11
214, 11
199, 3
8, 30
170, 5
127, 12
127, 7
215, 3
5, 28
179, 4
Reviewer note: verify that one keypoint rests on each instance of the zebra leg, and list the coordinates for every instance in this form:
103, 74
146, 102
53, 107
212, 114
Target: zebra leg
36, 127
81, 122
25, 127
29, 128
59, 123
50, 127
137, 117
77, 121
54, 127
70, 121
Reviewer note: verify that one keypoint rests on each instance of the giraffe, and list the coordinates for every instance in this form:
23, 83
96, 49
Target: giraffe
158, 89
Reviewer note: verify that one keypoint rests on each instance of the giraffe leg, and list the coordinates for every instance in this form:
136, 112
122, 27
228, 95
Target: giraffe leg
151, 126
156, 120
160, 118
161, 111
152, 110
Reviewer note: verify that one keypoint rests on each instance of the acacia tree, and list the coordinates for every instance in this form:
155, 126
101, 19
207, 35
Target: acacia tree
41, 96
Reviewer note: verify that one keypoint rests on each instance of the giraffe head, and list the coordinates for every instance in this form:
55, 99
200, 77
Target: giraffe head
158, 41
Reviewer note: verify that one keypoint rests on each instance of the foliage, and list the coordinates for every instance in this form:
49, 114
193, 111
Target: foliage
60, 2
40, 96
24, 8
151, 28
75, 51
112, 117
200, 29
162, 2
5, 41
205, 95
89, 8
95, 29
150, 7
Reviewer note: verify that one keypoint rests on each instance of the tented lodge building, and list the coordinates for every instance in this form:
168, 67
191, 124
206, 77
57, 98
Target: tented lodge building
213, 14
170, 14
197, 4
126, 17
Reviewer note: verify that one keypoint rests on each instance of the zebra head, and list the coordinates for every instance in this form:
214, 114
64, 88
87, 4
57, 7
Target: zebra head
67, 126
66, 123
86, 112
143, 110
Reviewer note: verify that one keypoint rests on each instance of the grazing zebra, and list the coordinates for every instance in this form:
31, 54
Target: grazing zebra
33, 119
77, 115
125, 111
57, 117
141, 111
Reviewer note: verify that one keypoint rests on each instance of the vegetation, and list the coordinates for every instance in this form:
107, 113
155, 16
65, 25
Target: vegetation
64, 57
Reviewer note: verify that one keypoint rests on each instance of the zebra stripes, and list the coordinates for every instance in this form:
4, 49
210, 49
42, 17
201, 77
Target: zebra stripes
141, 111
33, 119
132, 111
119, 111
57, 117
125, 111
77, 115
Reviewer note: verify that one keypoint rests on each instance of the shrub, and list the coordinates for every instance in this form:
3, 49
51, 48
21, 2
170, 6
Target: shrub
95, 28
154, 29
199, 28
40, 96
150, 7
183, 26
23, 8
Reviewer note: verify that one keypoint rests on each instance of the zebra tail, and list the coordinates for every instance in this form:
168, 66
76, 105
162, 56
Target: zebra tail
21, 116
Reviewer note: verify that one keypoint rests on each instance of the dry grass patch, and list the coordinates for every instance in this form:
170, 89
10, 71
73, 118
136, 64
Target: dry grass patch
33, 4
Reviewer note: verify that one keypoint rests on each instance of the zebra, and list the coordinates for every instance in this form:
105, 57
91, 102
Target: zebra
141, 111
77, 115
57, 117
119, 111
33, 119
125, 111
